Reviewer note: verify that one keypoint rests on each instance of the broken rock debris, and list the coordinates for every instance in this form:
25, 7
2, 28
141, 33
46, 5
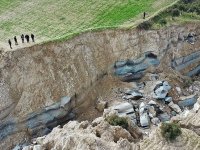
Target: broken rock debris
145, 109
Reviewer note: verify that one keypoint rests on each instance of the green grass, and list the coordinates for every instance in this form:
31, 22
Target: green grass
7, 4
121, 13
61, 19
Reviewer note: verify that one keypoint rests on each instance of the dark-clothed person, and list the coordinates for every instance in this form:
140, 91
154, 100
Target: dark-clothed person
144, 15
9, 42
15, 39
22, 37
27, 38
32, 37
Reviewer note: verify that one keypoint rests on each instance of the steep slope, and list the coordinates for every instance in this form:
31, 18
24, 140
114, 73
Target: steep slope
37, 78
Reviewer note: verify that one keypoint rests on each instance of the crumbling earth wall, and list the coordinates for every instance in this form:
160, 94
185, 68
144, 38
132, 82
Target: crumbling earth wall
36, 77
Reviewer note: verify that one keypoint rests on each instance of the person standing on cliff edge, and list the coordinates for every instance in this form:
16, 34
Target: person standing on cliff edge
22, 37
32, 37
144, 15
15, 39
9, 42
27, 38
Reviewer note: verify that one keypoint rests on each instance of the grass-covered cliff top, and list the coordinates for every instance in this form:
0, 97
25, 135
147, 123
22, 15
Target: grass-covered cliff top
59, 19
185, 11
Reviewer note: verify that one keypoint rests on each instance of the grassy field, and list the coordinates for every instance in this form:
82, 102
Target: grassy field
59, 19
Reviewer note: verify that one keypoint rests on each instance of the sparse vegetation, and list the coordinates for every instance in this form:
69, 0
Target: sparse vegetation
117, 121
188, 82
163, 21
170, 131
175, 12
145, 25
183, 11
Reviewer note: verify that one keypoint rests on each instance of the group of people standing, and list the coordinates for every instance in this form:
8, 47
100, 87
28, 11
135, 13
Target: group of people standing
23, 37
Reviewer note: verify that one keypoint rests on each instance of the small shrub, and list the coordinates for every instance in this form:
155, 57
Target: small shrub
117, 121
182, 7
162, 21
145, 25
187, 1
170, 131
157, 18
198, 11
175, 12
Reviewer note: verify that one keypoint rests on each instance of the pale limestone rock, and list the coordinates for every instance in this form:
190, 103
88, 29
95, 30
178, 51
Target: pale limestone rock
178, 89
65, 101
97, 121
38, 147
123, 144
155, 121
17, 147
196, 107
40, 140
83, 125
101, 105
109, 112
28, 148
152, 102
71, 125
152, 111
198, 100
122, 107
175, 107
107, 136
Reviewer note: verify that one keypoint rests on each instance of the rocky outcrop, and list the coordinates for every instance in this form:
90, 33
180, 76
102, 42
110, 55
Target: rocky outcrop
161, 89
40, 123
77, 136
135, 69
184, 62
101, 135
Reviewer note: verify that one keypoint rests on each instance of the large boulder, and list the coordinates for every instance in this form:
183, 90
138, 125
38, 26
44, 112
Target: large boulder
132, 94
144, 119
187, 101
175, 107
122, 107
164, 117
161, 90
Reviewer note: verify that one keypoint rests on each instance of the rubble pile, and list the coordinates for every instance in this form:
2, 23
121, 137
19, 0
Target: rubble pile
141, 111
149, 103
86, 136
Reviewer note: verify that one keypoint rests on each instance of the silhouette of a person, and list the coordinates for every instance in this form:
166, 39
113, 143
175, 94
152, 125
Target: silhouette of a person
15, 39
22, 37
27, 38
32, 37
9, 42
144, 15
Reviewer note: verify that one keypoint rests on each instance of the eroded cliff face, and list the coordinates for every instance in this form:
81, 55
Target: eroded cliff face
34, 79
